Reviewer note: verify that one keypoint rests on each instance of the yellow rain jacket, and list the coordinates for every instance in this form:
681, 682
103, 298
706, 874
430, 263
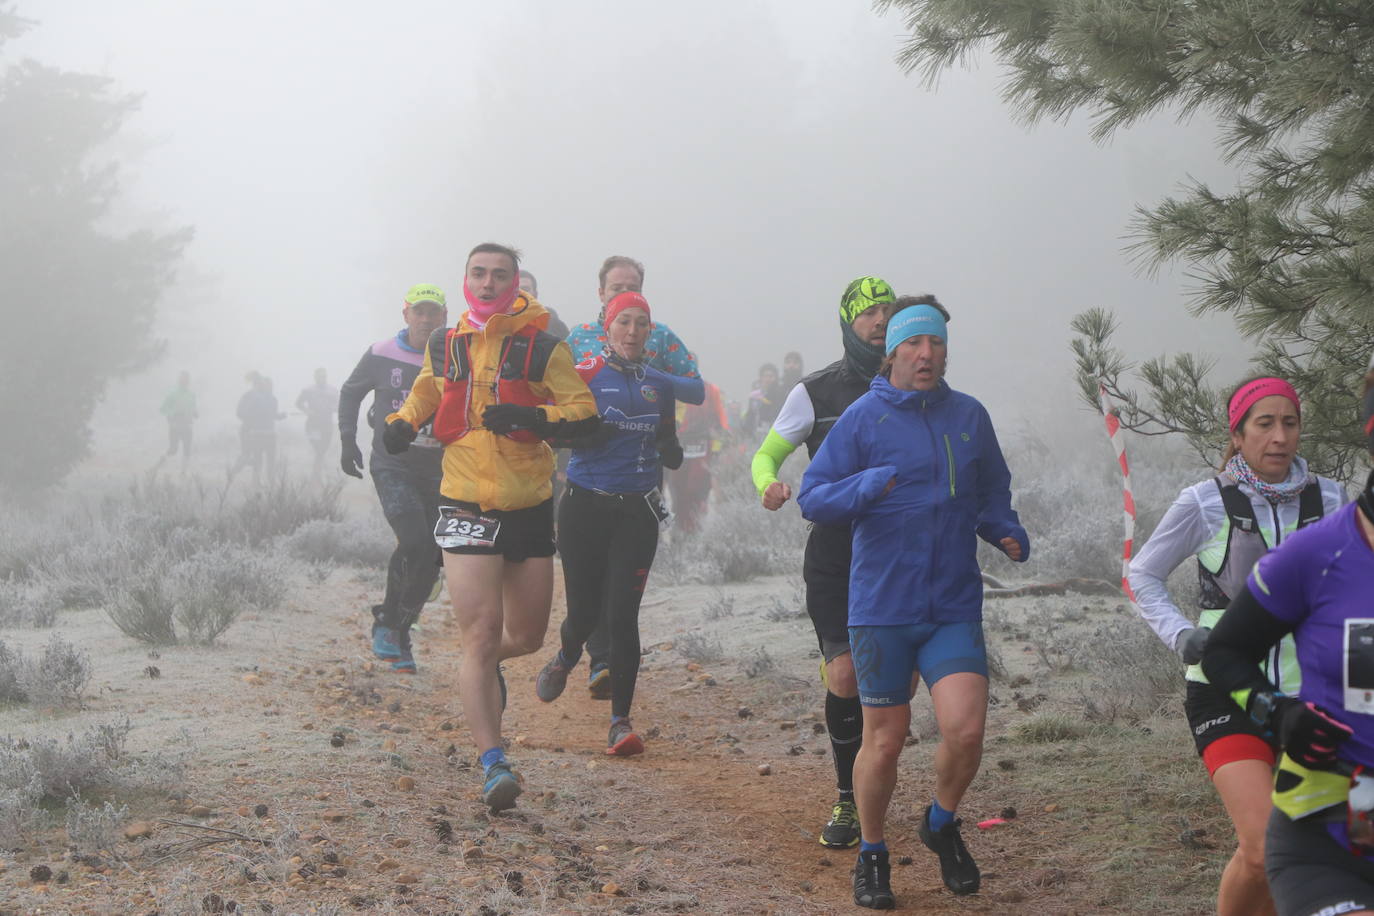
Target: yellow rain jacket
496, 472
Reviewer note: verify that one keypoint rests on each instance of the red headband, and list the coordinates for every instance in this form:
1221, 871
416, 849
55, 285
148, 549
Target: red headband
622, 301
1251, 392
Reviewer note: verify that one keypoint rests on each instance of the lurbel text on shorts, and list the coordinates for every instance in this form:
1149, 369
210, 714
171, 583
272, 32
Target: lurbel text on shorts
1219, 720
1336, 909
877, 701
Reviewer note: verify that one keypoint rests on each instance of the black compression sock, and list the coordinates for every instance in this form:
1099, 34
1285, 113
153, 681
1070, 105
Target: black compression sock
844, 719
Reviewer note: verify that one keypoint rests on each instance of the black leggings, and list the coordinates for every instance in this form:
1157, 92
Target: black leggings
410, 501
607, 544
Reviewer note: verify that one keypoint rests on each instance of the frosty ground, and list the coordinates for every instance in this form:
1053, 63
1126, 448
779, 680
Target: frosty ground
281, 770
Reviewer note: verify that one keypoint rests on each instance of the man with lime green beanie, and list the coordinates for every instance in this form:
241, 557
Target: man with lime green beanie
810, 410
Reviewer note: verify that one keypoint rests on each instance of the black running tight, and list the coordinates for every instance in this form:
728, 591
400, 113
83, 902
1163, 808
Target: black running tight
607, 544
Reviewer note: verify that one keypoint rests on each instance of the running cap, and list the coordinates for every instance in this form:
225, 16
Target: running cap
622, 301
913, 321
1246, 396
426, 292
863, 293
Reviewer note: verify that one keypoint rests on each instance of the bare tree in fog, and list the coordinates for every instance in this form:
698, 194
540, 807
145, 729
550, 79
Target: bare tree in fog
1289, 253
79, 300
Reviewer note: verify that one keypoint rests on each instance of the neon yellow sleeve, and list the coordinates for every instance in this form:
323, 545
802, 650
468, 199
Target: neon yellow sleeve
768, 459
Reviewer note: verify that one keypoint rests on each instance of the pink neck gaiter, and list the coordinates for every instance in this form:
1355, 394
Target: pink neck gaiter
480, 311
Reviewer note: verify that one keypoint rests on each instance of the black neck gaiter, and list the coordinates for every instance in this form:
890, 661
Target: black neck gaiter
862, 357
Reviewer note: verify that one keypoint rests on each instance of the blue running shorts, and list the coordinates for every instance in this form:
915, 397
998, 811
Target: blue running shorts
885, 657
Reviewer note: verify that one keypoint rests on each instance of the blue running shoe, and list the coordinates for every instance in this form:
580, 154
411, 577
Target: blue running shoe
599, 683
405, 662
501, 786
385, 644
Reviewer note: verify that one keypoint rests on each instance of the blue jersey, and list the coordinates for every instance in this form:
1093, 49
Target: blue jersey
920, 476
634, 404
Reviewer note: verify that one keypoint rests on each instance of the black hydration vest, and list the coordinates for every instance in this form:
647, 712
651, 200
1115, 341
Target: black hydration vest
831, 390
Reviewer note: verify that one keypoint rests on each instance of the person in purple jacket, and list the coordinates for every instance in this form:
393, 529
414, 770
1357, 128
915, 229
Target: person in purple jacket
408, 483
1319, 586
916, 468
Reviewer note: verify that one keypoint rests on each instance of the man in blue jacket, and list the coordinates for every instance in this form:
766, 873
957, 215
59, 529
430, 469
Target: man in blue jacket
916, 468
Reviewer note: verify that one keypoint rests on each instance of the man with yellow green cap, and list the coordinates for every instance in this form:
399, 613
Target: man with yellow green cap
407, 484
810, 410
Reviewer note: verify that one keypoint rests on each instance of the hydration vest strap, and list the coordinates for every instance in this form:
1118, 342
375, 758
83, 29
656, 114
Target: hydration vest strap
457, 362
1311, 506
1238, 507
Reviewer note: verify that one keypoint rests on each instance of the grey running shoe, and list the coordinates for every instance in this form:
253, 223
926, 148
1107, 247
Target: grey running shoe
843, 830
552, 679
622, 741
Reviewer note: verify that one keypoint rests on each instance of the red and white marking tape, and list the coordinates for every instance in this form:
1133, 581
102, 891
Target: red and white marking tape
1109, 413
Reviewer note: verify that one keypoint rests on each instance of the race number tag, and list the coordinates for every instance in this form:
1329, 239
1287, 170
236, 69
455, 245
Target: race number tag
694, 450
655, 500
1359, 665
463, 528
424, 437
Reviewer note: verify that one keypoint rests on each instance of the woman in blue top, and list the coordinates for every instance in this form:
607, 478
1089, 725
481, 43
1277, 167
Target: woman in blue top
916, 467
1317, 585
609, 519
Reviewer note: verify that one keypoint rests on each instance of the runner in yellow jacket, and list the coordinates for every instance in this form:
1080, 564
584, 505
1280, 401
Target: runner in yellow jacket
491, 390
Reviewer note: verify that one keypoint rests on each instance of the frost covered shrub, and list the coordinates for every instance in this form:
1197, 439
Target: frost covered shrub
1134, 674
34, 605
144, 609
78, 765
351, 542
196, 599
1069, 499
38, 774
210, 589
285, 505
739, 541
101, 554
10, 660
56, 677
91, 829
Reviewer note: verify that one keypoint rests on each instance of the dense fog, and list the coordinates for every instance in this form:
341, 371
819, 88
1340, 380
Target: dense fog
756, 155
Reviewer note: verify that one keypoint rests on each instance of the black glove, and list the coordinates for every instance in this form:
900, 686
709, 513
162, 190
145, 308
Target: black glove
397, 437
1306, 731
507, 418
351, 459
1192, 644
670, 453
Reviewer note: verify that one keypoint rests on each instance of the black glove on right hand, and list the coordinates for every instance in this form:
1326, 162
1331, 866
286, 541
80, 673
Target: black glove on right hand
1191, 646
1307, 732
504, 419
670, 453
397, 436
351, 459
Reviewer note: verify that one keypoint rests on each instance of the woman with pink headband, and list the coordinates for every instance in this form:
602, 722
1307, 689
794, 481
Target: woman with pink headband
1263, 494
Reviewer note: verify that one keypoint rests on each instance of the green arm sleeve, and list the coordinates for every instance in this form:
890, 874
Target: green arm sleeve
768, 459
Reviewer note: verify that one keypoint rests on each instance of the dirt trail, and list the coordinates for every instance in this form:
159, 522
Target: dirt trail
390, 822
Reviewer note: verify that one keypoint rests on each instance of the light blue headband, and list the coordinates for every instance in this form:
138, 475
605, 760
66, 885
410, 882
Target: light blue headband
915, 320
